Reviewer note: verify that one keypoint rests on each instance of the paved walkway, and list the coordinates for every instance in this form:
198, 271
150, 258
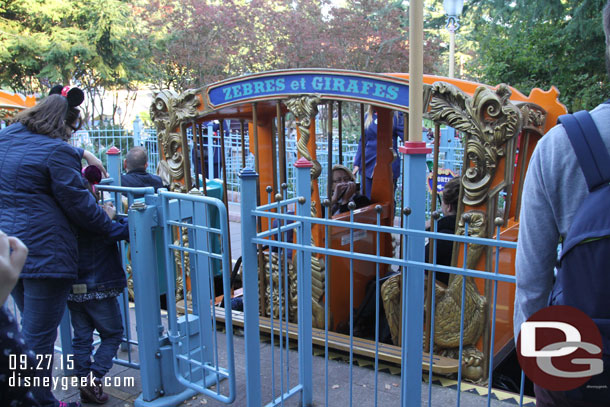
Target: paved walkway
362, 380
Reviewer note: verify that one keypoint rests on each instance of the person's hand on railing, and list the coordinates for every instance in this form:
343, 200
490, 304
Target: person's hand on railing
109, 209
93, 160
13, 254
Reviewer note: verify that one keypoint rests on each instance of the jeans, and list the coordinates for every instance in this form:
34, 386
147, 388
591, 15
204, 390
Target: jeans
104, 316
42, 303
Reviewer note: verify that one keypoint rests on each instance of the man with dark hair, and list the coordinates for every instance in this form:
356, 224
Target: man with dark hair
553, 191
135, 165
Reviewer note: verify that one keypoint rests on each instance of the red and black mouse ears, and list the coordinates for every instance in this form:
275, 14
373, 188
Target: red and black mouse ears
75, 96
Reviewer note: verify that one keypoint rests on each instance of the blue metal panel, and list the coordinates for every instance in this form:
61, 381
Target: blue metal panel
250, 284
413, 282
304, 282
142, 221
412, 263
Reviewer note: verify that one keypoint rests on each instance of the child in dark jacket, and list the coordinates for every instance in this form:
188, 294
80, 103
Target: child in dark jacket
93, 304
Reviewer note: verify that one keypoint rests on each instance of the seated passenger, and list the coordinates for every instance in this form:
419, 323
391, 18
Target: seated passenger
345, 191
135, 165
446, 224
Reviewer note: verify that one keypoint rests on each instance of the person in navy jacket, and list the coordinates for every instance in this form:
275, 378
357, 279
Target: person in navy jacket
370, 148
43, 200
135, 164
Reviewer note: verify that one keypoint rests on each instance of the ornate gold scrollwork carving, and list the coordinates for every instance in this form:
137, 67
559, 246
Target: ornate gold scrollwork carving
304, 109
317, 289
279, 285
477, 226
448, 305
534, 117
181, 257
447, 311
167, 112
489, 119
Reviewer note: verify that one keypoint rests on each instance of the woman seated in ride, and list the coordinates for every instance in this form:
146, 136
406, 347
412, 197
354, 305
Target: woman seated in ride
345, 190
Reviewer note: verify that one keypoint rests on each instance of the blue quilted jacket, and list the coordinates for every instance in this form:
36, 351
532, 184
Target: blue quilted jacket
43, 201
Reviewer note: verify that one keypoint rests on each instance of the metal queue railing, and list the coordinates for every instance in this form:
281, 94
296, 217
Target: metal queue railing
294, 380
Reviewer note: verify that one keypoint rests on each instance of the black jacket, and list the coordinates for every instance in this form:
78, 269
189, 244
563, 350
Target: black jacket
141, 178
360, 201
444, 248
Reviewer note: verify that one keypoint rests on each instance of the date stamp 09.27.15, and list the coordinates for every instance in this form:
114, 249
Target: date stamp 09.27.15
24, 373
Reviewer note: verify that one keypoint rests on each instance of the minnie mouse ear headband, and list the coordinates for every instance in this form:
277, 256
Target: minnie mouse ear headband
75, 96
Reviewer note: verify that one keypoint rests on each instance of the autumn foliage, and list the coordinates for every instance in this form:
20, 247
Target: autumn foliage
198, 42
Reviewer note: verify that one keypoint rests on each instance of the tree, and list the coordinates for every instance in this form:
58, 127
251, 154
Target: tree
540, 44
91, 43
206, 41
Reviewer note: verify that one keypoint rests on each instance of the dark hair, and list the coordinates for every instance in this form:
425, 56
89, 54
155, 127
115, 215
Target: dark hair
91, 190
136, 158
451, 192
47, 118
73, 118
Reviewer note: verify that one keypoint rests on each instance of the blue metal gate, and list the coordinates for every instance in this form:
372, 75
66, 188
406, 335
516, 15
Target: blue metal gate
189, 238
174, 250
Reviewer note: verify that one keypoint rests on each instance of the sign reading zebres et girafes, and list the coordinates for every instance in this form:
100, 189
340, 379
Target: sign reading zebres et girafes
329, 84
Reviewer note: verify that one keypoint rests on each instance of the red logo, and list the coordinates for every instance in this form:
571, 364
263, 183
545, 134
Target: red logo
560, 348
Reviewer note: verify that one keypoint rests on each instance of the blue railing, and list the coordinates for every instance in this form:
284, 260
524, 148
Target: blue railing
411, 269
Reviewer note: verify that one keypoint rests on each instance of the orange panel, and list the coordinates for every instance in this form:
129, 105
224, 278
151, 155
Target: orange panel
383, 187
265, 170
506, 291
363, 271
15, 101
265, 163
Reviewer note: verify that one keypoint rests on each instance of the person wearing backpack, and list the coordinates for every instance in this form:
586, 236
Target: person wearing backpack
566, 198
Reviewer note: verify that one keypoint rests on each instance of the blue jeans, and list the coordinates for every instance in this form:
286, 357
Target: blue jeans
105, 317
42, 303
